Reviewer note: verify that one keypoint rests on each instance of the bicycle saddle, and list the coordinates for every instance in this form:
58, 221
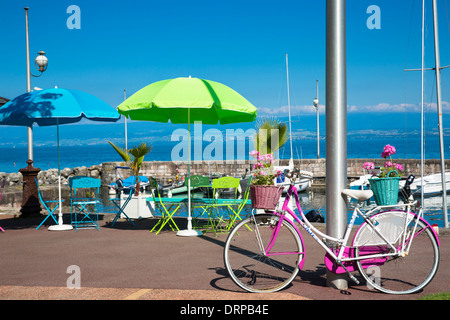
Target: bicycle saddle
360, 195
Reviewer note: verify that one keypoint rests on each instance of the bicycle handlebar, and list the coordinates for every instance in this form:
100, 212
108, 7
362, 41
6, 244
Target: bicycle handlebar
292, 175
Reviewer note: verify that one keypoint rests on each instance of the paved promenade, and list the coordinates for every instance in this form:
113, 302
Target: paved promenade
130, 263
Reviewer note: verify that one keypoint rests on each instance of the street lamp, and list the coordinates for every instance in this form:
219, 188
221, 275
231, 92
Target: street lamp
316, 105
30, 196
40, 62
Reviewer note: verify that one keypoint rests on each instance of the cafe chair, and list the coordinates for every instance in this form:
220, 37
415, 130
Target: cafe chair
45, 204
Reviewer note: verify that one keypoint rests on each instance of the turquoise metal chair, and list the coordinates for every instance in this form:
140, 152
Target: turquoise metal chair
2, 188
45, 203
84, 198
1, 193
117, 202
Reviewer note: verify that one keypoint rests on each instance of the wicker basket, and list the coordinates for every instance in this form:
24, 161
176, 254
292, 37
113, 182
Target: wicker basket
385, 190
265, 197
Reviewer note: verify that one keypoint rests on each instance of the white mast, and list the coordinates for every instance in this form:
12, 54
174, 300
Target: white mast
439, 110
291, 161
422, 155
437, 69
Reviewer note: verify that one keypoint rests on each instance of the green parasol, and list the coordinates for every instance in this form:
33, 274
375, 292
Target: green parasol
187, 100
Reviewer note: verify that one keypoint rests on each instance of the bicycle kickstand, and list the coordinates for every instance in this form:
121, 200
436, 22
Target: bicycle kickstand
352, 277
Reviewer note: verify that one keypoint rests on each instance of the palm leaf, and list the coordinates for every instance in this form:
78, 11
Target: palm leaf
271, 135
122, 152
138, 154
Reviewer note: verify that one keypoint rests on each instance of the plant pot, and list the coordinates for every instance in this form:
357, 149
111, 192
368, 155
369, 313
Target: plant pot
385, 190
265, 197
138, 207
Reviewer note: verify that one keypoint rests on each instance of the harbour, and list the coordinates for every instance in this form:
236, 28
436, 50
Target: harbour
314, 198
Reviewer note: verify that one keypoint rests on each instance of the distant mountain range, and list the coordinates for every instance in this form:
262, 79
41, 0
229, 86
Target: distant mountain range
303, 127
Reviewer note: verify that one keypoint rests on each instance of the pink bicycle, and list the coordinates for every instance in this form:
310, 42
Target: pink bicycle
395, 250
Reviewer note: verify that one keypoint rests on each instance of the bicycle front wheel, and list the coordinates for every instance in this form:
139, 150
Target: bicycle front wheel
249, 262
407, 268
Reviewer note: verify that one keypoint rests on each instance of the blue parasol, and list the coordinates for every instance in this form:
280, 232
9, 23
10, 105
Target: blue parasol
54, 107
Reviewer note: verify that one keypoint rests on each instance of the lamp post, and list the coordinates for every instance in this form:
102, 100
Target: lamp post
316, 105
336, 127
30, 197
40, 62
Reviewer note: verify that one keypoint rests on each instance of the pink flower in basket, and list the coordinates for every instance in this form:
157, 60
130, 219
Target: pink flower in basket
254, 154
369, 166
389, 165
264, 171
388, 151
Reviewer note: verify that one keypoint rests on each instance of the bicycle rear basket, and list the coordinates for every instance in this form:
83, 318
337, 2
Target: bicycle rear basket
385, 190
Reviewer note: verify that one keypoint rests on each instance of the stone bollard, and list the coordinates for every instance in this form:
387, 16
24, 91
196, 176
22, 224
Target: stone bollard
30, 200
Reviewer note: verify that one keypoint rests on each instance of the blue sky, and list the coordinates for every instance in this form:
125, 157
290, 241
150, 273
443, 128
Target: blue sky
130, 44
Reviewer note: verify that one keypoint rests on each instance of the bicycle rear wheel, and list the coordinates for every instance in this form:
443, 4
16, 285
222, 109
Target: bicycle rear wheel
404, 272
248, 265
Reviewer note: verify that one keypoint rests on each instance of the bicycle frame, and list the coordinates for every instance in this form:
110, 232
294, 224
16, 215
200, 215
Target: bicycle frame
341, 253
307, 226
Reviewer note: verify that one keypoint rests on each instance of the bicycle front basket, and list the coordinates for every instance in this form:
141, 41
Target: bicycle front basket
265, 197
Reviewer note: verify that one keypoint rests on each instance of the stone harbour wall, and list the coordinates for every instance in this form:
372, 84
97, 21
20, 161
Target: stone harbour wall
168, 170
50, 176
164, 171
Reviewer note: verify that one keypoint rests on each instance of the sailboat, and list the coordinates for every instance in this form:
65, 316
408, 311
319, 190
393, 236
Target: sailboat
431, 185
304, 180
436, 183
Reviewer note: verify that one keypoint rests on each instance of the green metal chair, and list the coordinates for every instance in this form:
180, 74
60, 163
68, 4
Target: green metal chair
223, 207
166, 208
197, 181
242, 202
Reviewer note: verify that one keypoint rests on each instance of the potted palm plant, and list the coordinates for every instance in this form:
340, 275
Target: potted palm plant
134, 158
271, 135
137, 207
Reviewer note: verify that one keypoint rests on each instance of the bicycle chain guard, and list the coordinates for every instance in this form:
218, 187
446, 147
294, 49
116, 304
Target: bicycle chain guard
334, 267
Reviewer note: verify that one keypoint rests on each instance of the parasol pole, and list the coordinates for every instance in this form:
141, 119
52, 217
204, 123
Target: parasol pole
60, 226
189, 232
